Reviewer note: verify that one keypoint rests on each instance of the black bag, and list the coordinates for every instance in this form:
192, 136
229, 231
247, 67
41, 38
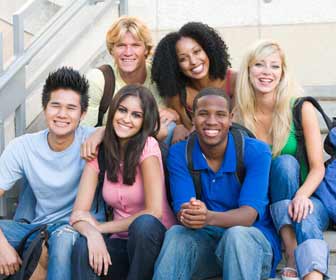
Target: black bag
34, 258
239, 132
326, 192
109, 88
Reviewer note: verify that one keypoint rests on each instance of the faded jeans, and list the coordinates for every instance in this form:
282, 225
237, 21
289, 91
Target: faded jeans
312, 251
239, 253
61, 240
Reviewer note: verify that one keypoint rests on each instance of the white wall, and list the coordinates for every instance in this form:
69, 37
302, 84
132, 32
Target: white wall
305, 28
171, 14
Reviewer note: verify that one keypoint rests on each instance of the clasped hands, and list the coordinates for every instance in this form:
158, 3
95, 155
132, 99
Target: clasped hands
194, 214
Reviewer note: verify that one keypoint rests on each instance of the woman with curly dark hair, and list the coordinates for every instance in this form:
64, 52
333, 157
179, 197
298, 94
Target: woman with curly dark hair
186, 61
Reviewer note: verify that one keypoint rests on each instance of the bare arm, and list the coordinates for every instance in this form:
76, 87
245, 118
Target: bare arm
152, 179
312, 136
175, 103
90, 147
9, 259
99, 258
301, 205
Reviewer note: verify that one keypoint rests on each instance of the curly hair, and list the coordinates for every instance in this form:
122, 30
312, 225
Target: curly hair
66, 78
166, 71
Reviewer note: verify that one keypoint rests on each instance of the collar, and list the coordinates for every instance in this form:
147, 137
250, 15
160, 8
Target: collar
146, 83
228, 163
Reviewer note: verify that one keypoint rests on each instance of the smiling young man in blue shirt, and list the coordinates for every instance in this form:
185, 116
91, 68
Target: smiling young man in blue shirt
228, 231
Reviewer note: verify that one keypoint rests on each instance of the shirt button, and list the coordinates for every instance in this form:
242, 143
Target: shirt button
213, 180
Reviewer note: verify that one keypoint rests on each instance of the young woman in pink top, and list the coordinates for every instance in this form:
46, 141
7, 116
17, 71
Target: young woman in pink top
127, 246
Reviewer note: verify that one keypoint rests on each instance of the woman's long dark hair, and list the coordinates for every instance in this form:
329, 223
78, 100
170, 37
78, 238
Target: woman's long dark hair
166, 71
135, 145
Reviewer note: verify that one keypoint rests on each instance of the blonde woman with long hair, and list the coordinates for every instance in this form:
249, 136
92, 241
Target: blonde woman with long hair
265, 98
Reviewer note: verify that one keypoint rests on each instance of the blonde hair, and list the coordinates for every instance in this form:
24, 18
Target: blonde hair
285, 92
129, 24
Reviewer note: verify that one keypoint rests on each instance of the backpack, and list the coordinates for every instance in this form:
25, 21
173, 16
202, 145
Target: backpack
109, 88
35, 257
326, 192
239, 133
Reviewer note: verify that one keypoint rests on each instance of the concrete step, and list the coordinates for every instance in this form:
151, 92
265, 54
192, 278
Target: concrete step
80, 48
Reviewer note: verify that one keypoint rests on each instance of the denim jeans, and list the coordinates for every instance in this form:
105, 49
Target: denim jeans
239, 253
131, 259
61, 240
312, 252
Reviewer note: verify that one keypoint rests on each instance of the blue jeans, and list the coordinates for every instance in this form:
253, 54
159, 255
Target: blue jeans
236, 253
312, 251
61, 240
131, 259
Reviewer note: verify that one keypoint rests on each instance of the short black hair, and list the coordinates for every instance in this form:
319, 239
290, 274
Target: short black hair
66, 78
212, 91
166, 71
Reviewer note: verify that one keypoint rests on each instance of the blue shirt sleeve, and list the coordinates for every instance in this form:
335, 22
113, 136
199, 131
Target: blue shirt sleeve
254, 191
181, 185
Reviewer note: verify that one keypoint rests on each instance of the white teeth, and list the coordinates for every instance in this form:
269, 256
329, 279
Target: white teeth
265, 80
197, 69
61, 124
124, 126
211, 132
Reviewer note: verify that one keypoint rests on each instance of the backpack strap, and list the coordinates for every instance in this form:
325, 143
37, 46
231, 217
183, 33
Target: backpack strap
297, 111
239, 133
109, 88
239, 142
301, 153
35, 247
195, 174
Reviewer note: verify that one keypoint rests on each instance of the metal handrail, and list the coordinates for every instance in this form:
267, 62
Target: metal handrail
13, 79
42, 38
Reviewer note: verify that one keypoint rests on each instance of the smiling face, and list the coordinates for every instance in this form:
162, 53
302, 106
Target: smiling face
63, 114
212, 120
129, 54
265, 74
128, 118
192, 59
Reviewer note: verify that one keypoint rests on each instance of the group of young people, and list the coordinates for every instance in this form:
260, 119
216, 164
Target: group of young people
230, 227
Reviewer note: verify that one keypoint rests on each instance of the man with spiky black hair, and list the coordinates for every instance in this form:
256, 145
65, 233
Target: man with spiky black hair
50, 162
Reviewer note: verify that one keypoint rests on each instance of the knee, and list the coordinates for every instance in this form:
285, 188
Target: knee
285, 165
235, 235
147, 227
284, 178
179, 235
